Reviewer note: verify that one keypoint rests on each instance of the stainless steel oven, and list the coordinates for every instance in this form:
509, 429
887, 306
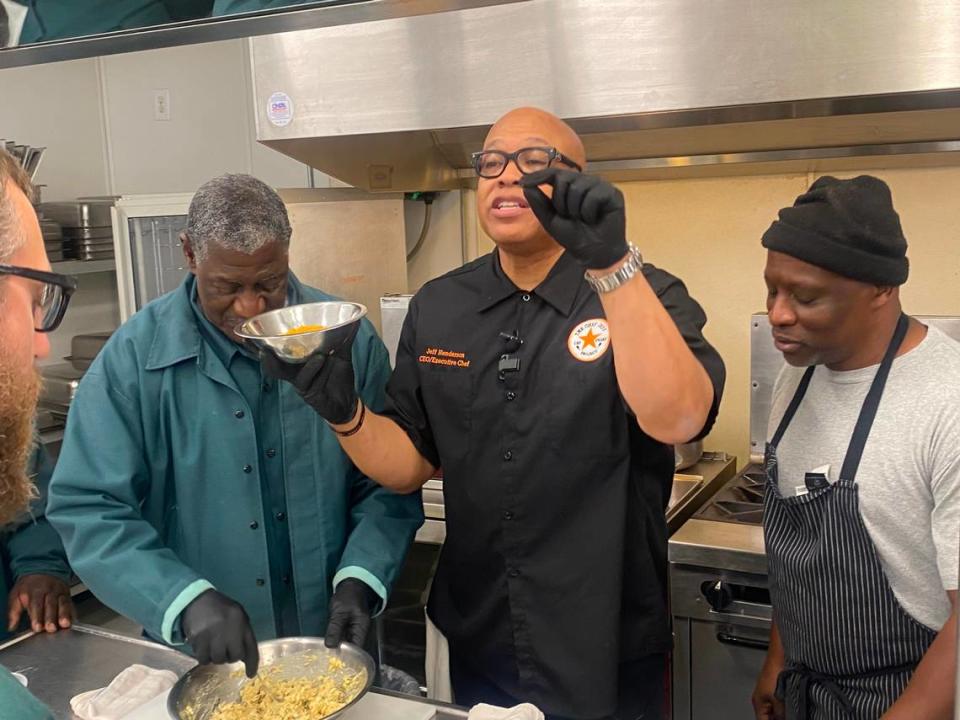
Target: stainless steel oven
721, 607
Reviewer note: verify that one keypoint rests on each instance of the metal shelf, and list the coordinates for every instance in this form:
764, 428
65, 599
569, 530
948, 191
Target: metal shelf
84, 267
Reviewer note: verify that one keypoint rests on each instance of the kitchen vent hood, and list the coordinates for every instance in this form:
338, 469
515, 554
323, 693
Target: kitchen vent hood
657, 88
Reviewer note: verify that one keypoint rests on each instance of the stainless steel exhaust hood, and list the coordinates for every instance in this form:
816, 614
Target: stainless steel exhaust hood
657, 88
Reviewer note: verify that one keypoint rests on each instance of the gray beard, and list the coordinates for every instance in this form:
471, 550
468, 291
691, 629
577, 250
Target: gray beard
19, 390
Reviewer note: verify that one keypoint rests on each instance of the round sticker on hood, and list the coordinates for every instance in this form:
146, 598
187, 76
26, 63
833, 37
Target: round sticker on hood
589, 340
280, 109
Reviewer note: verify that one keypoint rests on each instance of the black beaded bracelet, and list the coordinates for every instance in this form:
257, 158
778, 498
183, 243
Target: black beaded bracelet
356, 428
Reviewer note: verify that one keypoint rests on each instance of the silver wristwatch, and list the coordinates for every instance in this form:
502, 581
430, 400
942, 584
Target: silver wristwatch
618, 277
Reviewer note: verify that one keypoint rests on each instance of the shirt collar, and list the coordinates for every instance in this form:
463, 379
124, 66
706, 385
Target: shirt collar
559, 289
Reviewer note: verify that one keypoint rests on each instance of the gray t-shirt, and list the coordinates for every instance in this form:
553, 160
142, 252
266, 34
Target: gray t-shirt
909, 477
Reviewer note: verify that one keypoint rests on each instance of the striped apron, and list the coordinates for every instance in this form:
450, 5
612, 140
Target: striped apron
850, 647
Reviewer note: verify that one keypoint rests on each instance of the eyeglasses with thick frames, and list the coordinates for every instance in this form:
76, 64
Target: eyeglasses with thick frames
490, 164
54, 296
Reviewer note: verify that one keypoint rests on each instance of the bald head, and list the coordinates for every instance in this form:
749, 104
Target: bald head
536, 127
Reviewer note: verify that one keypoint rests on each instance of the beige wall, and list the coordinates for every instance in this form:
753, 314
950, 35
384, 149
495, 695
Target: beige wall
707, 231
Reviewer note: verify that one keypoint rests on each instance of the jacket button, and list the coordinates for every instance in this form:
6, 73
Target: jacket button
271, 452
261, 582
513, 572
254, 525
511, 395
248, 469
508, 455
507, 515
525, 297
285, 579
281, 516
266, 386
238, 414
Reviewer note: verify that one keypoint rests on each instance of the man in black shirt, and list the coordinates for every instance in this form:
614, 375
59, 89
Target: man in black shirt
549, 380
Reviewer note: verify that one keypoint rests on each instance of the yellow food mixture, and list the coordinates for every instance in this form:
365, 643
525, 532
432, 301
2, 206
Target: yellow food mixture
269, 696
301, 329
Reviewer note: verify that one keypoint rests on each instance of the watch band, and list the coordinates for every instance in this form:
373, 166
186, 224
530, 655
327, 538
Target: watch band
618, 277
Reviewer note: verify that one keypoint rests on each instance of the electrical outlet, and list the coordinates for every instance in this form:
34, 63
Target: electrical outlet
161, 105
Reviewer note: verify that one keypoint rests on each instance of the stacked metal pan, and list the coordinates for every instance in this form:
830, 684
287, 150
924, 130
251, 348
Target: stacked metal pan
87, 228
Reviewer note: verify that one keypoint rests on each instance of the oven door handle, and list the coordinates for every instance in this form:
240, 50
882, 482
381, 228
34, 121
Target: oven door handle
727, 639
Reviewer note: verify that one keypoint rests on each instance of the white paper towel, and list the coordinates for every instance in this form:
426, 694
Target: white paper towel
517, 712
128, 691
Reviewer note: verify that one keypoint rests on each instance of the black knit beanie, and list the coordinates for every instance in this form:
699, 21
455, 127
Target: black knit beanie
846, 226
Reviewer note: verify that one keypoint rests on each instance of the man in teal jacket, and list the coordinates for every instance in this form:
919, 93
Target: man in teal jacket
32, 303
203, 499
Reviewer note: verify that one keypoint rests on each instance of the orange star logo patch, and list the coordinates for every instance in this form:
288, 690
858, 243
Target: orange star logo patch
589, 340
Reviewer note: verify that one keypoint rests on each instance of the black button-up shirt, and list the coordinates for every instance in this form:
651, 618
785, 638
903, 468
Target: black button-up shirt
554, 568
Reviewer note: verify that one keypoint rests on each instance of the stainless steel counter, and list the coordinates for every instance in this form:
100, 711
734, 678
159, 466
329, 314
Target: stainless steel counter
695, 485
65, 664
709, 543
62, 665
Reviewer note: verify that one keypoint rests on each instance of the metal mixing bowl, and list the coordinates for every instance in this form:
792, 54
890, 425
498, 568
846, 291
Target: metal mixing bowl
203, 688
268, 332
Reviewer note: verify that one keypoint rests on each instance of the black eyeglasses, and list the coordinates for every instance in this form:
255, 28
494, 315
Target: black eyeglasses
490, 164
54, 296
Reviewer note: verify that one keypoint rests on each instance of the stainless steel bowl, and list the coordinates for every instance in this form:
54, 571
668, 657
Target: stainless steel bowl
268, 332
205, 687
687, 454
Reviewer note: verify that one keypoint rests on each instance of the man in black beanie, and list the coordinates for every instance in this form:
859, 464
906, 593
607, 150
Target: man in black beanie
862, 509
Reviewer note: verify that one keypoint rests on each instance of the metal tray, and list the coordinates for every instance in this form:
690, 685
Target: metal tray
98, 255
90, 233
60, 383
86, 346
89, 245
94, 213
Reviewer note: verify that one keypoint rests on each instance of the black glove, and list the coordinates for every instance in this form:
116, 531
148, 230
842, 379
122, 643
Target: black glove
350, 611
585, 215
325, 382
219, 631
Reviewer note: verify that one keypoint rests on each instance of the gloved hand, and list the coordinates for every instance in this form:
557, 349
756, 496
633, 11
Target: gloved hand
353, 602
325, 382
219, 631
585, 215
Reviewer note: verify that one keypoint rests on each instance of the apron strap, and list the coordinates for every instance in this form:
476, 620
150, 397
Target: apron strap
871, 403
806, 677
793, 406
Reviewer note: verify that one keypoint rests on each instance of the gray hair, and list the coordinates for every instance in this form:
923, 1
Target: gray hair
12, 236
237, 212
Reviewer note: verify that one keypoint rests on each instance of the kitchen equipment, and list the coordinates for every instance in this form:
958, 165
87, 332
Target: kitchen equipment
57, 412
80, 214
60, 382
93, 255
719, 593
87, 345
198, 693
687, 454
393, 311
271, 330
47, 421
89, 233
